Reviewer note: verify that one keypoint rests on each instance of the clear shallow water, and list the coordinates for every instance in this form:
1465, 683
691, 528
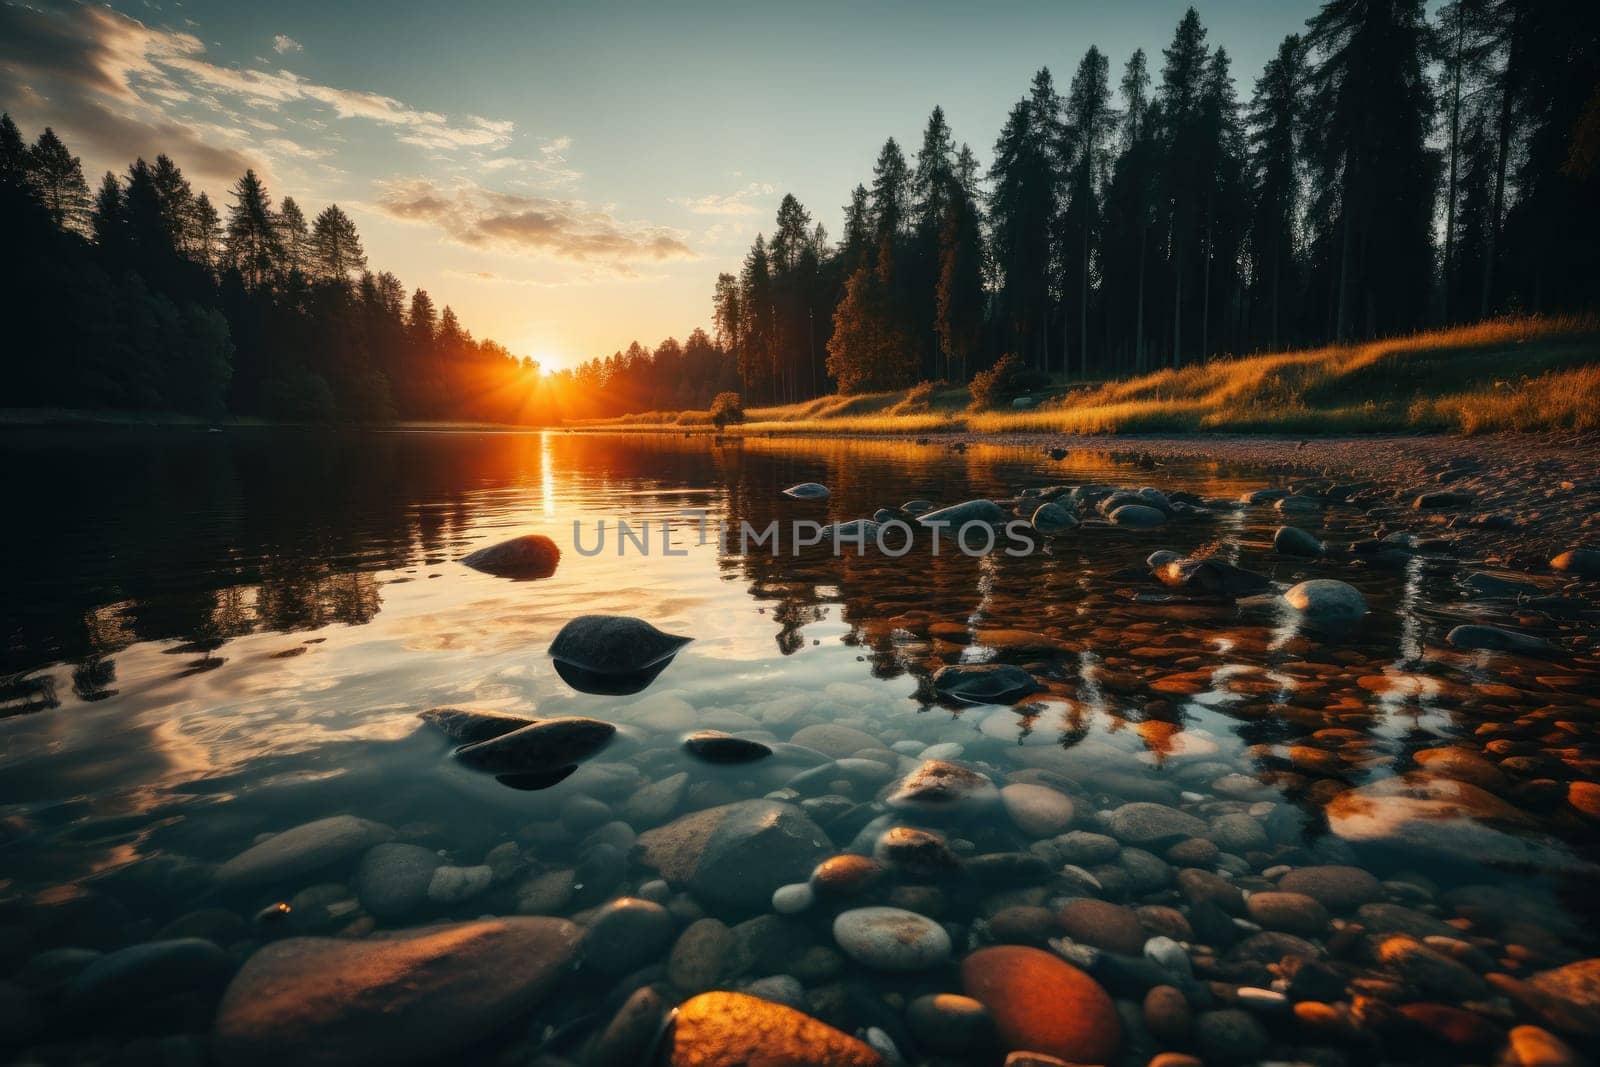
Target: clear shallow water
208, 637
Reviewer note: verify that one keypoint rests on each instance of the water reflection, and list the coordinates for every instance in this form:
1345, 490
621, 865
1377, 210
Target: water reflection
261, 615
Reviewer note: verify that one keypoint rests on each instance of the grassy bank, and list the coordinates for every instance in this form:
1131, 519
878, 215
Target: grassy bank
1525, 374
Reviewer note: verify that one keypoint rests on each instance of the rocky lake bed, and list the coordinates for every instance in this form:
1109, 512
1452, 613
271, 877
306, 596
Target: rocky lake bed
1270, 752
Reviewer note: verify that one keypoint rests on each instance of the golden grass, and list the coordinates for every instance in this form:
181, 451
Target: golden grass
1559, 400
1518, 374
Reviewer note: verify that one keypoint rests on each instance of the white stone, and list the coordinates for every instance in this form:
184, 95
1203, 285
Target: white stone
794, 898
891, 939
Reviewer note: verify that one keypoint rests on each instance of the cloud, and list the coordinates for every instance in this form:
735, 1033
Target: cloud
115, 85
283, 44
735, 203
530, 225
549, 168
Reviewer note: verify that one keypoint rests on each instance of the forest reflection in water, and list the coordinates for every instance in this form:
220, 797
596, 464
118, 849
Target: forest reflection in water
261, 606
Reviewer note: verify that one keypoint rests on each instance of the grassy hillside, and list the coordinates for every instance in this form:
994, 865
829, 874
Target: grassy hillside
1525, 374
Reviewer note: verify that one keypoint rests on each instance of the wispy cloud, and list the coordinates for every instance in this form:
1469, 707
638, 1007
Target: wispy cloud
573, 230
739, 202
284, 44
117, 84
549, 168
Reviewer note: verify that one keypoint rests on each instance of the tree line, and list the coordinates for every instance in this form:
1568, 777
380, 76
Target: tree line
1388, 172
144, 296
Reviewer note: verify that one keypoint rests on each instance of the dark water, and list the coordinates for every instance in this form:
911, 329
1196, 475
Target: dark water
208, 637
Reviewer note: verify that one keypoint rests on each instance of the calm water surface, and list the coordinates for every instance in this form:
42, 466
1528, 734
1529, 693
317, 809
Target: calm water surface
207, 637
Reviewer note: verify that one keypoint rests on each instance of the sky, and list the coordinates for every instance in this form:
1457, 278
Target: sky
569, 177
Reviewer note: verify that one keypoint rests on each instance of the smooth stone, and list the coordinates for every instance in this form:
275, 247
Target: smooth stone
702, 955
1051, 518
138, 973
1569, 997
1584, 562
1170, 955
984, 683
1103, 925
1210, 577
714, 746
1337, 888
546, 893
467, 726
627, 934
630, 1032
1327, 602
1023, 924
942, 788
1432, 971
949, 1022
1534, 1046
1294, 913
914, 852
1138, 516
528, 556
409, 999
1037, 810
1146, 823
1167, 1015
1495, 639
1204, 886
834, 739
452, 885
793, 899
613, 644
393, 878
301, 850
735, 1030
891, 939
736, 854
655, 803
845, 876
807, 491
1293, 541
1043, 1004
541, 746
958, 515
1238, 833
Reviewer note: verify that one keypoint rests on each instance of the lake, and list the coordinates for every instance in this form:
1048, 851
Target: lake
212, 637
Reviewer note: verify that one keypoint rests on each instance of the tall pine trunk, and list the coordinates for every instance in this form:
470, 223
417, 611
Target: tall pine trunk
1455, 155
1507, 96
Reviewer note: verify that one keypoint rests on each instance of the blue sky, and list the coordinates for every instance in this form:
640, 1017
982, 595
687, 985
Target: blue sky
568, 176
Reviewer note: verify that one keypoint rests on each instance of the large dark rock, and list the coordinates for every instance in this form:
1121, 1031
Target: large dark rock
736, 854
612, 654
1210, 577
466, 726
984, 683
302, 850
412, 999
542, 746
529, 556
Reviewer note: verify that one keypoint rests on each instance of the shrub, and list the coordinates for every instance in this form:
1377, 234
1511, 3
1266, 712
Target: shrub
1007, 379
918, 399
726, 408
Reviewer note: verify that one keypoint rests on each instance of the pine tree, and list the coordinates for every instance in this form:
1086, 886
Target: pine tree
294, 237
177, 201
855, 244
1375, 172
204, 235
1089, 122
1021, 210
57, 178
1276, 114
253, 245
960, 289
106, 218
1184, 176
336, 251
